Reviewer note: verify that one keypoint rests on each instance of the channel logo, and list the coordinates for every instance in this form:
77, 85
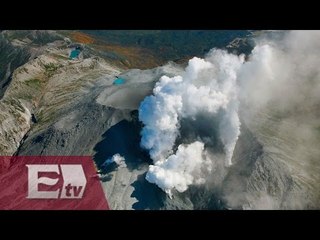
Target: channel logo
72, 176
50, 183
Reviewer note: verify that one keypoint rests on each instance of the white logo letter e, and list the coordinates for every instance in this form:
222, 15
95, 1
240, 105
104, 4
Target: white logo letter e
34, 180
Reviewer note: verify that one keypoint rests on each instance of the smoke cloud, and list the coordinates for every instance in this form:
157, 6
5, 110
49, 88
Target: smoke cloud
117, 159
188, 116
208, 88
180, 169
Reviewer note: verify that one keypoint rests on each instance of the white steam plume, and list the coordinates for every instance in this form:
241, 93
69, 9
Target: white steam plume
180, 169
280, 103
279, 80
208, 86
117, 159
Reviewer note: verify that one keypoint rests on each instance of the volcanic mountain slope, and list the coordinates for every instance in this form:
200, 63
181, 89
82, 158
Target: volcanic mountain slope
58, 106
17, 47
50, 81
54, 105
284, 174
278, 168
36, 88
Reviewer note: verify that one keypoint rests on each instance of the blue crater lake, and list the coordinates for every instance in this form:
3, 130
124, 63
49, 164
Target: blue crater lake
118, 81
74, 54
